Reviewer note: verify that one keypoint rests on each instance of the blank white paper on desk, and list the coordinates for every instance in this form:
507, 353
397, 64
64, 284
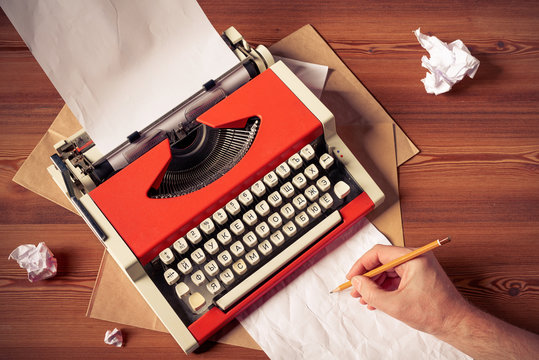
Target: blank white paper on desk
121, 64
299, 319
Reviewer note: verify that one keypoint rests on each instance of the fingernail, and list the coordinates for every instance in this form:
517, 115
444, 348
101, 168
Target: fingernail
356, 282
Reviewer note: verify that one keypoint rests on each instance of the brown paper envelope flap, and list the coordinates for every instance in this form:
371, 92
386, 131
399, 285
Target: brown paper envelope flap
116, 299
313, 48
33, 173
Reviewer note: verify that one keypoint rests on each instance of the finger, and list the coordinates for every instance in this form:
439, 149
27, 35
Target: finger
371, 293
359, 267
371, 307
363, 302
391, 284
380, 278
377, 255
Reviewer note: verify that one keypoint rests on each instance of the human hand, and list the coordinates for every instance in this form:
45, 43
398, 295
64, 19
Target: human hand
417, 292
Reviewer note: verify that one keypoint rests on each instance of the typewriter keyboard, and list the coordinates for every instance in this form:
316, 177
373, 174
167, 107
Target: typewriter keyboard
255, 234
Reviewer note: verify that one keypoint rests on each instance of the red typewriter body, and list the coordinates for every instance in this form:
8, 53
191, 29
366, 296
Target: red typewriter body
149, 225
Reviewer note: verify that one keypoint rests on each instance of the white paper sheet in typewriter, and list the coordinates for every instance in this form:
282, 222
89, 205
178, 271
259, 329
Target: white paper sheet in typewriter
120, 65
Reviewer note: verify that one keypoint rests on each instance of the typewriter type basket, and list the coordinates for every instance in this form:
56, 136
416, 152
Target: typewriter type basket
209, 154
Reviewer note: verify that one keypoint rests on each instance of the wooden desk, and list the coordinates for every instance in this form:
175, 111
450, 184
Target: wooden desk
475, 179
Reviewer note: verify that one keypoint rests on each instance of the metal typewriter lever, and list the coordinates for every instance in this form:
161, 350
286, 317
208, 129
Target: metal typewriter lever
75, 201
279, 261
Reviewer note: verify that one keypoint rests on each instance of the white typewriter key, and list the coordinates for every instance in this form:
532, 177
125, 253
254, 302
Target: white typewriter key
302, 219
295, 161
312, 193
275, 220
275, 199
198, 256
307, 152
240, 267
220, 217
225, 258
288, 211
194, 236
314, 210
252, 257
180, 246
258, 188
237, 248
271, 179
171, 276
224, 237
233, 207
246, 198
237, 227
323, 183
211, 268
311, 171
250, 217
326, 161
207, 226
262, 208
211, 246
182, 289
227, 277
265, 247
341, 189
262, 229
283, 170
198, 278
326, 201
287, 190
299, 181
300, 202
185, 266
290, 229
196, 301
250, 239
166, 256
277, 238
214, 286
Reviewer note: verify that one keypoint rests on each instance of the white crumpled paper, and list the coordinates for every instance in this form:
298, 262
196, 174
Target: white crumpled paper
300, 319
114, 337
448, 63
38, 260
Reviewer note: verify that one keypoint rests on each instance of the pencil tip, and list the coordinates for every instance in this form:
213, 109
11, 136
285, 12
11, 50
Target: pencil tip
332, 291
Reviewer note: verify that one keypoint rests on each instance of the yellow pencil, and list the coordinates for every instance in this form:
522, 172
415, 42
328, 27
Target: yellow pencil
397, 262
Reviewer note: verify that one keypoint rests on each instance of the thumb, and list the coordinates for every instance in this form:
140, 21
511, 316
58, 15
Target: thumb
371, 293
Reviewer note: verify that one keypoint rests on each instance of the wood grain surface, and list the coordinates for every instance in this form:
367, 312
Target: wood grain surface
475, 179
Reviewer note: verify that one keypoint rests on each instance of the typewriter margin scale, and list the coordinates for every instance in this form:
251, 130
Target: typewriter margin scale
76, 156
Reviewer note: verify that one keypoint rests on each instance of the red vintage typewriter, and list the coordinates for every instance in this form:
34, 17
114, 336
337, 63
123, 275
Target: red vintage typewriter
212, 205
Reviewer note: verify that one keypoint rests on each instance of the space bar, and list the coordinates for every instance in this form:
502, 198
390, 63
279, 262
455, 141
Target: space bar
227, 300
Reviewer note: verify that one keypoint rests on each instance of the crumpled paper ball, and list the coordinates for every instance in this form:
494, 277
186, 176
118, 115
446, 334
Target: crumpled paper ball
448, 63
38, 260
114, 337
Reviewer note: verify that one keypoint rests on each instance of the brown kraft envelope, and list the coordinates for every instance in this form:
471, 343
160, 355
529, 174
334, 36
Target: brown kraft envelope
364, 125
